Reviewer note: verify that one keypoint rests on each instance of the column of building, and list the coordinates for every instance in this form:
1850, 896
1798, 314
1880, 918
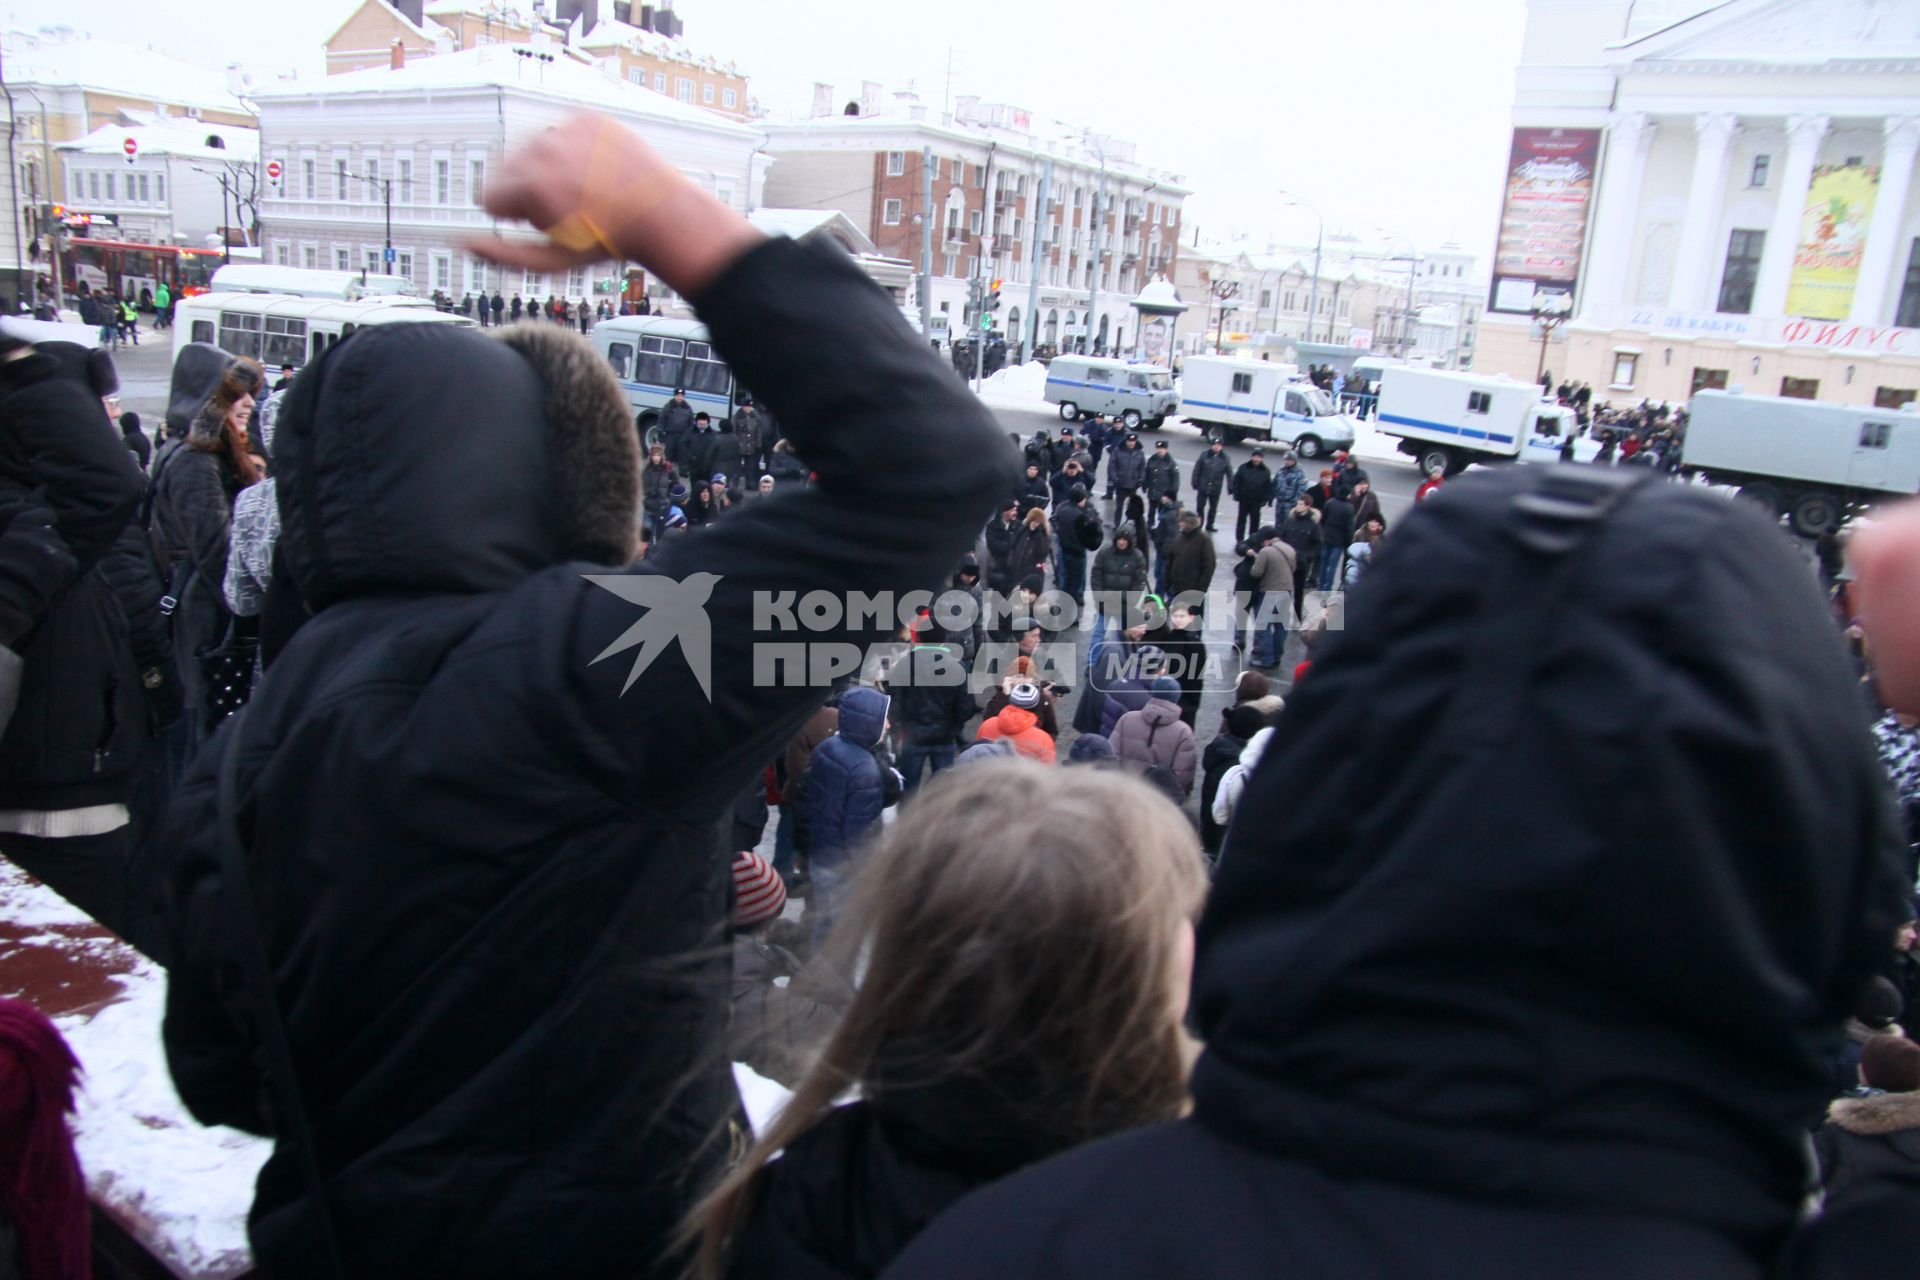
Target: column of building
1694, 275
1873, 296
1804, 136
1602, 284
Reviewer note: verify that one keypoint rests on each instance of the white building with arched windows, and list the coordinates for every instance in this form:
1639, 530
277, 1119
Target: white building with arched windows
1722, 194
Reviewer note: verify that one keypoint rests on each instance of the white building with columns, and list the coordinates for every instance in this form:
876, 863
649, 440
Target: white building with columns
1753, 220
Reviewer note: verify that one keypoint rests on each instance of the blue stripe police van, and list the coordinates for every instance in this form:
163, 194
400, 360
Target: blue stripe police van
654, 355
1133, 393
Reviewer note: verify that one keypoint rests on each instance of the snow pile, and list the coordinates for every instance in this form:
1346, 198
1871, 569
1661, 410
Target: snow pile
182, 1189
1020, 380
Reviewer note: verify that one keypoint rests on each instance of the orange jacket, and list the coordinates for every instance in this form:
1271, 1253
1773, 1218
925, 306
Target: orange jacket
1022, 728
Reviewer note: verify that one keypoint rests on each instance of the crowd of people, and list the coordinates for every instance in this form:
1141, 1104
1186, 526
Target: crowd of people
1555, 917
498, 309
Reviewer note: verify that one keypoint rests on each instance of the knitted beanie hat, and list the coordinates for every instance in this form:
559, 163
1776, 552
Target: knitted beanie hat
759, 894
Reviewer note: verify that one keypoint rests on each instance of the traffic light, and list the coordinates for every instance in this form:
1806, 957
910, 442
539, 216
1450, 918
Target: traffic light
993, 297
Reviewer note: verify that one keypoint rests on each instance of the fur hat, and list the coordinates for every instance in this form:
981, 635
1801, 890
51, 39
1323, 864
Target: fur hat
1251, 687
759, 894
1245, 720
597, 454
1891, 1063
1025, 696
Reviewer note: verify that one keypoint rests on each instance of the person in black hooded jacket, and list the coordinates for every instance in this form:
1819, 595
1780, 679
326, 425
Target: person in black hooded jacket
480, 791
1488, 1031
72, 571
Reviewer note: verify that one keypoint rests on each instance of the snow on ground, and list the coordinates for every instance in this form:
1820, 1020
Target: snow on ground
181, 1188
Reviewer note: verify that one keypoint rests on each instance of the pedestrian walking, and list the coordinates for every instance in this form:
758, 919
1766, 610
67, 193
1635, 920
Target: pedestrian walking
1252, 491
1209, 478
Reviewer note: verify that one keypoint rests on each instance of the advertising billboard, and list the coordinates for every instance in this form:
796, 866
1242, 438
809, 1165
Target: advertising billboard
1833, 238
1543, 218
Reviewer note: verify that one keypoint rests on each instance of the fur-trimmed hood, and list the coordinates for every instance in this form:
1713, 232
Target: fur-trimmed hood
1876, 1114
419, 459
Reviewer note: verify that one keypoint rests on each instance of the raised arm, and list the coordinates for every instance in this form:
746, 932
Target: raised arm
908, 463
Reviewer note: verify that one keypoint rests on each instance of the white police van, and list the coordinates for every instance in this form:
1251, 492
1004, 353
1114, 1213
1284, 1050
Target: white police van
653, 356
1241, 398
1133, 393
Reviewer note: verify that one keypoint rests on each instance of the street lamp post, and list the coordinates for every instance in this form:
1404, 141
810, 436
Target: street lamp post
1550, 311
1319, 241
1223, 292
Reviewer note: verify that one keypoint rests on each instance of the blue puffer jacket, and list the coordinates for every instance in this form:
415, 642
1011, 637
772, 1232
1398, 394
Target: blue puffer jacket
845, 787
1288, 484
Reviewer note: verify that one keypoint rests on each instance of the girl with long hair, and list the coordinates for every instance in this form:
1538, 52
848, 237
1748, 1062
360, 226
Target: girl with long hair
1018, 996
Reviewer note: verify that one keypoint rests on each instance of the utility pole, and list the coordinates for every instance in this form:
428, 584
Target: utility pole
926, 242
225, 238
989, 224
1093, 291
1041, 220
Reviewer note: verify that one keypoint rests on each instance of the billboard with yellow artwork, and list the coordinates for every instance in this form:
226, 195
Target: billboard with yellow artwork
1833, 237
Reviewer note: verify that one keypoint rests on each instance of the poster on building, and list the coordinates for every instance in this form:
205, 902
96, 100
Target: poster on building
1833, 238
1156, 340
1543, 220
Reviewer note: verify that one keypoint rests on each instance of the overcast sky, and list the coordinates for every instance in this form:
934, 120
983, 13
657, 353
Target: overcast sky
1391, 115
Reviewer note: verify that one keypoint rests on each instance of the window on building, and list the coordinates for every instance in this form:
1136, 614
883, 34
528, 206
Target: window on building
1800, 388
160, 188
340, 178
636, 75
576, 283
476, 181
373, 179
973, 224
93, 188
1626, 364
476, 275
371, 257
403, 263
1742, 270
1907, 314
683, 89
973, 265
933, 168
980, 175
1709, 380
283, 255
308, 186
442, 272
404, 180
1479, 402
896, 163
310, 256
1266, 299
1892, 397
890, 213
706, 94
144, 198
342, 258
443, 182
110, 196
950, 265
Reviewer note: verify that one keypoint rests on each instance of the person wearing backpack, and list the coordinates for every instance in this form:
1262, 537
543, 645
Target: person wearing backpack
1077, 525
1156, 736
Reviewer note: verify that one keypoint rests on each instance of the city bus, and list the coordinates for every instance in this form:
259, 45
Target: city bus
307, 282
125, 268
654, 355
278, 329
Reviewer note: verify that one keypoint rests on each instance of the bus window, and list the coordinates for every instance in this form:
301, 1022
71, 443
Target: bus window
286, 340
704, 370
659, 362
619, 355
319, 344
203, 331
240, 334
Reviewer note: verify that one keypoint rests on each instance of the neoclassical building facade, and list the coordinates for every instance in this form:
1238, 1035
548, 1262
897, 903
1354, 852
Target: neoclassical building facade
1714, 198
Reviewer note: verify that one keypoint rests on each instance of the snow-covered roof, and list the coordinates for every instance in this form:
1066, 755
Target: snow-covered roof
611, 33
123, 70
186, 139
424, 32
798, 224
497, 66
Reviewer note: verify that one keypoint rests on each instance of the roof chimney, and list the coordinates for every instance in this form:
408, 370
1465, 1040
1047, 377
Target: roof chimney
414, 11
396, 56
869, 98
822, 100
237, 80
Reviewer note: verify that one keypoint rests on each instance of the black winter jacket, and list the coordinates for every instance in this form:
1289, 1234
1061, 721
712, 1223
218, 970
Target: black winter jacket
930, 707
1638, 1104
1000, 535
1127, 466
1163, 476
1210, 471
192, 518
1253, 486
488, 872
81, 721
854, 1190
1078, 528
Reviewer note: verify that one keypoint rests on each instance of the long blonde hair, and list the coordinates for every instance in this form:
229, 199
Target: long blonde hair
1021, 919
